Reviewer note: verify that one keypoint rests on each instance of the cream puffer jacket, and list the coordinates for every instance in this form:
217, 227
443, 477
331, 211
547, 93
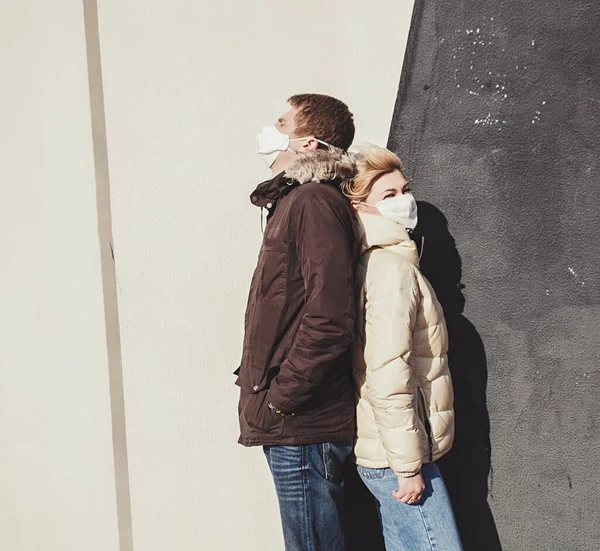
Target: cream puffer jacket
404, 414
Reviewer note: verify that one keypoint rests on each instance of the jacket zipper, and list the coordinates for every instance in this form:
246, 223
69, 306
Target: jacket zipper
427, 425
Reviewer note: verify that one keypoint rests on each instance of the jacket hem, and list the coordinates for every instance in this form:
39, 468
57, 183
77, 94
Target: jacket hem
384, 464
298, 440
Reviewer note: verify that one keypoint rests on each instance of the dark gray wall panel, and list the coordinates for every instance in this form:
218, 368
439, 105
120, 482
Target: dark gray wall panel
497, 121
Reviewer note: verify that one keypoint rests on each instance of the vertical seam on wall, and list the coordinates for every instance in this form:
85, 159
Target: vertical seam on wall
109, 276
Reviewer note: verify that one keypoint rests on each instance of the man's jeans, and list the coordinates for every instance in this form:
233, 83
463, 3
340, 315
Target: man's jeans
309, 485
423, 527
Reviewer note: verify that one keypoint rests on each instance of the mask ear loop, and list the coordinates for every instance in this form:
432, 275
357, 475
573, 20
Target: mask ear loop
422, 247
308, 137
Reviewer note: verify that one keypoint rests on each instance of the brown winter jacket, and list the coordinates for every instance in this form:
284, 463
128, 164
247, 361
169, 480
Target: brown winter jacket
300, 315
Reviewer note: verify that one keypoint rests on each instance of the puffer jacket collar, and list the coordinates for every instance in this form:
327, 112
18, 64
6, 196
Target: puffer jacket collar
331, 166
377, 231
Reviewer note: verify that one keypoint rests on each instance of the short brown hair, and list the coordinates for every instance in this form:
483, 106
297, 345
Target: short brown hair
372, 162
325, 118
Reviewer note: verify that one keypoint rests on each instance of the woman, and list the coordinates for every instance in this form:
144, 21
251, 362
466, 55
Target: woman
404, 414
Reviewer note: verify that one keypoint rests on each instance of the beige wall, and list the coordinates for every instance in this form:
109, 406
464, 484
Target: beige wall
187, 86
57, 489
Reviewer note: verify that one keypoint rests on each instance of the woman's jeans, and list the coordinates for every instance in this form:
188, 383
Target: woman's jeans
423, 527
309, 485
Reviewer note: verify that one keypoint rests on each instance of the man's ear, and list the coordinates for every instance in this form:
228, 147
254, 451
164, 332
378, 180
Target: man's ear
311, 144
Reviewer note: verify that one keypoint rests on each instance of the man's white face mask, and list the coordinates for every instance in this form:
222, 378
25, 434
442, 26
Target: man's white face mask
401, 209
270, 142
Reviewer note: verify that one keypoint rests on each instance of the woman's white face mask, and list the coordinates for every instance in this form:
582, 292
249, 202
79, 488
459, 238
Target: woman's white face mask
401, 209
270, 143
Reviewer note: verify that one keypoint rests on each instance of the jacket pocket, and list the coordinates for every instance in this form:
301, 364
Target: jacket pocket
254, 384
426, 422
258, 416
252, 379
271, 285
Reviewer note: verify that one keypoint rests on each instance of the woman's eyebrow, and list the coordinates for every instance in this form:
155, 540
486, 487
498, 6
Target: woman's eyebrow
387, 190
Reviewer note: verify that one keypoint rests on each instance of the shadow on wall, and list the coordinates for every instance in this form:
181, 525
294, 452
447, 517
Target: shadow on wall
467, 466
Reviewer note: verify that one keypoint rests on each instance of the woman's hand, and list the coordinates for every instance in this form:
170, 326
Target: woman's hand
410, 490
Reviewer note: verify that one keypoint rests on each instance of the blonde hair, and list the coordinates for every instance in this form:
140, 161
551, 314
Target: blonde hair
372, 162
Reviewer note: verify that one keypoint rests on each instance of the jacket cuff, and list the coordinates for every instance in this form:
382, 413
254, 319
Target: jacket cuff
279, 401
277, 410
407, 474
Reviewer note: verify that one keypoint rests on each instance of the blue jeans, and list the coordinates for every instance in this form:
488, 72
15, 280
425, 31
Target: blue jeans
309, 485
424, 527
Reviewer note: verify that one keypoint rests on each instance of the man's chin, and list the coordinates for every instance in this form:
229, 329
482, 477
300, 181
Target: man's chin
282, 163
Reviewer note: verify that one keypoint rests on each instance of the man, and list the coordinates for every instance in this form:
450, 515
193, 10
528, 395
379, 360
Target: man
297, 397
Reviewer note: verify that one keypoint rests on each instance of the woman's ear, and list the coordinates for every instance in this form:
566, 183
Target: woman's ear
367, 208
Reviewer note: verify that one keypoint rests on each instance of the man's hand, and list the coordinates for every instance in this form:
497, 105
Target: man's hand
410, 490
278, 411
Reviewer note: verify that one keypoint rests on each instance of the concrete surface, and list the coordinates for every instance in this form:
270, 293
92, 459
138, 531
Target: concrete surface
497, 120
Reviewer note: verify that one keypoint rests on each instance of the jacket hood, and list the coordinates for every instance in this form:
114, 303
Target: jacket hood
377, 231
322, 165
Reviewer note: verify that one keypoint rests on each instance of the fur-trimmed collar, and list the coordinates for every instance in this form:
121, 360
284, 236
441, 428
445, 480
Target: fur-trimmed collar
322, 165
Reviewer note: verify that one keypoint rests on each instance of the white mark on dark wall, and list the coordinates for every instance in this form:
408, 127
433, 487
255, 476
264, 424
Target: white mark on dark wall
575, 275
489, 121
486, 82
537, 115
480, 80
